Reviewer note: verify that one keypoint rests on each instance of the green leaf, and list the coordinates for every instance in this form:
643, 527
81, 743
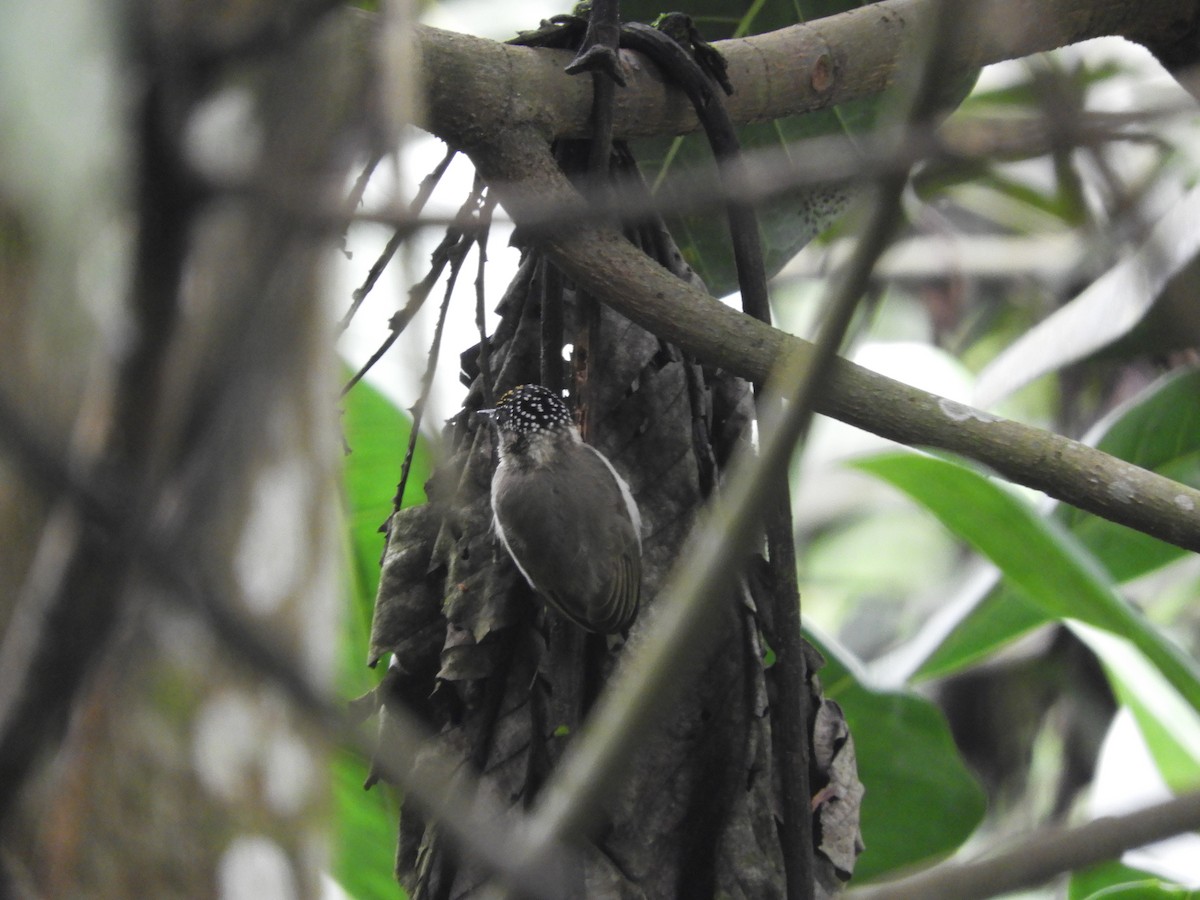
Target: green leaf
376, 434
1115, 879
1170, 727
1158, 430
1089, 882
1035, 554
364, 833
910, 766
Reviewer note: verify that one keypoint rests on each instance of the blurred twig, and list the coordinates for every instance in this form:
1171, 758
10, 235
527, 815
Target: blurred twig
438, 785
1042, 855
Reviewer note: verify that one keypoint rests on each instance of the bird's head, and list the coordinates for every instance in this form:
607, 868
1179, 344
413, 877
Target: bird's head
531, 421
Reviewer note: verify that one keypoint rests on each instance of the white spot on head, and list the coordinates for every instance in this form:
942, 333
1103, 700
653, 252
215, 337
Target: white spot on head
253, 867
1184, 502
1122, 490
530, 408
960, 412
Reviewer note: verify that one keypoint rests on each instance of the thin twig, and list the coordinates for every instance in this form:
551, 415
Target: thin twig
456, 235
817, 163
424, 191
485, 363
457, 255
813, 163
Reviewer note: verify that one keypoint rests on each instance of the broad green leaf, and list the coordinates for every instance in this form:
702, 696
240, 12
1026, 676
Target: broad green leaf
910, 766
1147, 889
1090, 882
1169, 726
1036, 555
1158, 430
376, 434
364, 832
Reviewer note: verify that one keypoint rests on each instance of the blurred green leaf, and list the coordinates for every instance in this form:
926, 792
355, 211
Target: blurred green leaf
1170, 727
376, 434
1035, 554
1158, 430
921, 802
364, 832
1088, 882
1115, 880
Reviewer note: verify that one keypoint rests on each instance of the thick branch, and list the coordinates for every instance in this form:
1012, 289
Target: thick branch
477, 88
601, 262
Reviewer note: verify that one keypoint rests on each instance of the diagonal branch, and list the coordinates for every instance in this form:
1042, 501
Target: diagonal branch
1042, 855
502, 103
601, 262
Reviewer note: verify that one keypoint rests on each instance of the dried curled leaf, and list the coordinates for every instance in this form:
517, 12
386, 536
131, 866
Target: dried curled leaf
838, 803
408, 614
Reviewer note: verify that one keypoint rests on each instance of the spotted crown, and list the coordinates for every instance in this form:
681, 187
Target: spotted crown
530, 408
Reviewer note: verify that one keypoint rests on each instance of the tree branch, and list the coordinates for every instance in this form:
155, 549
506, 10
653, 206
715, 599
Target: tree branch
1043, 855
477, 87
502, 103
600, 261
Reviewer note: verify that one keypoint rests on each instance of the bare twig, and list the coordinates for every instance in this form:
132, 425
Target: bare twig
458, 254
458, 240
485, 365
428, 183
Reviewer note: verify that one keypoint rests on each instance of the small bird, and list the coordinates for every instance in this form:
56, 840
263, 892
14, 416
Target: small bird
563, 513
